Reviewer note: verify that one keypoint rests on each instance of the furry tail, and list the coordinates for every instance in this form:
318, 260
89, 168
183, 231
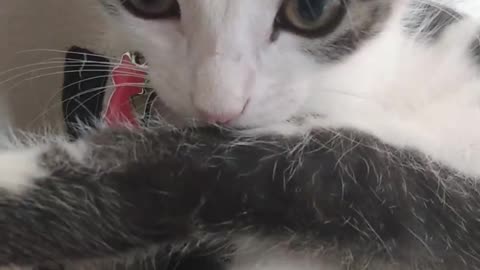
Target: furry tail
112, 192
121, 190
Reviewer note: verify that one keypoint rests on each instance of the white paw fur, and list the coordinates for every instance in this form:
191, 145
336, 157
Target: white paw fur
20, 169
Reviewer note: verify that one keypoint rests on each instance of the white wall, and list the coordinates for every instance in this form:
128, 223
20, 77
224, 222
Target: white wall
45, 24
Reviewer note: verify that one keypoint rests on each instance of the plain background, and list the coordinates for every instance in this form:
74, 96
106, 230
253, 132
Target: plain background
29, 32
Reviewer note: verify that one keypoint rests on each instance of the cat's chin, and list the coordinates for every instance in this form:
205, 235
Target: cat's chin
285, 128
165, 115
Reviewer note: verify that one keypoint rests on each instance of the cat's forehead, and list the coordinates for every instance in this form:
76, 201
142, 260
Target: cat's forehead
219, 6
209, 7
224, 13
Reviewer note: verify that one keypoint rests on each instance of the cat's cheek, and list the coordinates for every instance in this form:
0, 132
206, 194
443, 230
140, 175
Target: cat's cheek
270, 112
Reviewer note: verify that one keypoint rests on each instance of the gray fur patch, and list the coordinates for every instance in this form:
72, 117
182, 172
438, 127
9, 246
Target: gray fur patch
364, 19
110, 7
475, 49
347, 43
429, 21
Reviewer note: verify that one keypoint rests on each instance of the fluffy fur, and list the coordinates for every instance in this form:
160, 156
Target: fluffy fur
342, 199
357, 150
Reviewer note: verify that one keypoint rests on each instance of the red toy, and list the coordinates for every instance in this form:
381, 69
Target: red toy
128, 79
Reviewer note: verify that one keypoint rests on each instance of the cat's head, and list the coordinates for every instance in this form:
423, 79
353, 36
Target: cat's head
247, 63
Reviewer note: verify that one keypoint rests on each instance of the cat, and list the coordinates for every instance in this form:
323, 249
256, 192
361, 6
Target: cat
344, 137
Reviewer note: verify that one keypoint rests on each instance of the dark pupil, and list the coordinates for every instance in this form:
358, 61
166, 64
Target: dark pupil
311, 10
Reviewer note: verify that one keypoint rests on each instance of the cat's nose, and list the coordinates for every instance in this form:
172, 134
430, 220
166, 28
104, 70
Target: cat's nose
222, 89
219, 114
222, 118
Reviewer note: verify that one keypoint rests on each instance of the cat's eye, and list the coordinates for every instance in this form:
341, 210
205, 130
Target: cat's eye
152, 9
311, 17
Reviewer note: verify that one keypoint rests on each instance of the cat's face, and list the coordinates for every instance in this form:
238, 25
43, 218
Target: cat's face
245, 63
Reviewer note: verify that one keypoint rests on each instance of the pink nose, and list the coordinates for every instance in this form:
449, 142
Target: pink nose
220, 118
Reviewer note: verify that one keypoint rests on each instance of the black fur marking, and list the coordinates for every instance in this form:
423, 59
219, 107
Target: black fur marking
430, 21
349, 193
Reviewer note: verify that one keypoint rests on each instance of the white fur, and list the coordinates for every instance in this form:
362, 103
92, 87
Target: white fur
77, 150
20, 168
411, 95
